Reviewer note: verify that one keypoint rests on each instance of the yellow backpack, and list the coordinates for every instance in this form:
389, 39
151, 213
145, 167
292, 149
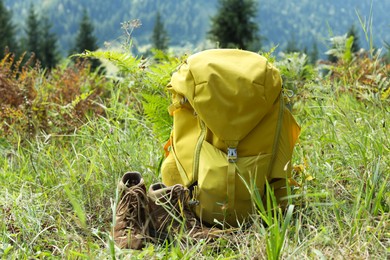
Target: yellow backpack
231, 131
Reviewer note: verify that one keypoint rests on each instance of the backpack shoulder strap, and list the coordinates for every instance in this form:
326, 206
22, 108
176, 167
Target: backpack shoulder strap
277, 134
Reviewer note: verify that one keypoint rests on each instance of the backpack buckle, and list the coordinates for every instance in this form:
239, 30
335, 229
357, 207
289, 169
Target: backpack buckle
183, 100
232, 154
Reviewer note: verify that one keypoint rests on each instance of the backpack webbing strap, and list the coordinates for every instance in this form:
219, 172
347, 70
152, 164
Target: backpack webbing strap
177, 104
180, 168
231, 184
277, 135
231, 172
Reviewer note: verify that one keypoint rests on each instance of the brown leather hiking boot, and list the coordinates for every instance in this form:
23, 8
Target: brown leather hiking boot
171, 214
131, 228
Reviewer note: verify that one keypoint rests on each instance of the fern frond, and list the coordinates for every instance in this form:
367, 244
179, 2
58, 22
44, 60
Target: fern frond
125, 62
156, 113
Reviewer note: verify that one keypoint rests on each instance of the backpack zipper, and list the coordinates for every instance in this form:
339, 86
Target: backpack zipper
197, 150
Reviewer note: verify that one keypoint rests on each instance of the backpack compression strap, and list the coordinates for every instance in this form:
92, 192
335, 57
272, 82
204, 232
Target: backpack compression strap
232, 157
231, 173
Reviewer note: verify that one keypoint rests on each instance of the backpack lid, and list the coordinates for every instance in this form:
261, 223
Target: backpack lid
231, 90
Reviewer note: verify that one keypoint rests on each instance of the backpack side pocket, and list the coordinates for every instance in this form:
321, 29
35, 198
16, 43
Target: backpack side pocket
212, 190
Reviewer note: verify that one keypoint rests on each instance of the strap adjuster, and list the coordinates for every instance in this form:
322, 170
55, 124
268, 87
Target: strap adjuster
232, 154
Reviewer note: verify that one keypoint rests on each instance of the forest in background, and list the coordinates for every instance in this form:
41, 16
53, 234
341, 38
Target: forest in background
281, 23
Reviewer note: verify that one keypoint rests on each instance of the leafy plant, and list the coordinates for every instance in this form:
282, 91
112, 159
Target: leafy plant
146, 81
275, 221
341, 48
364, 74
296, 72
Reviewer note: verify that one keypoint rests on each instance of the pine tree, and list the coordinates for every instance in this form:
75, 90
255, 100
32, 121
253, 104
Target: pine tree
387, 55
49, 53
7, 30
292, 46
160, 36
40, 40
314, 53
233, 25
33, 33
85, 39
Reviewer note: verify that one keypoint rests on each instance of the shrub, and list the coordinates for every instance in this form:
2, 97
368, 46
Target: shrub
363, 74
56, 102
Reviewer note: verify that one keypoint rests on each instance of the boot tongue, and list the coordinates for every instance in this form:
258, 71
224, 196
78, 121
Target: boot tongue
158, 191
162, 193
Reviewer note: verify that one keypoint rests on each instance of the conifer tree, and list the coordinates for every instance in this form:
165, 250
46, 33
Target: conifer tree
85, 39
160, 36
7, 30
49, 52
233, 25
40, 40
314, 53
33, 33
387, 55
292, 46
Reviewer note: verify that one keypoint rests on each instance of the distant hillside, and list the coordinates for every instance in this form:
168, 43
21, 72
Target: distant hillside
187, 21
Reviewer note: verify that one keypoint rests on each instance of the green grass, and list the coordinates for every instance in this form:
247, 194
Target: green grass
345, 143
58, 191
